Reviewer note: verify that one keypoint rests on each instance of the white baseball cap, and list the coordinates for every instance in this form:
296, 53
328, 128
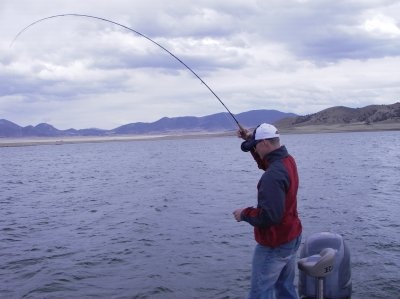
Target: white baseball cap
266, 131
263, 131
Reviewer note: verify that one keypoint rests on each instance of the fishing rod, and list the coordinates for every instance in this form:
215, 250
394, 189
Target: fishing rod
140, 34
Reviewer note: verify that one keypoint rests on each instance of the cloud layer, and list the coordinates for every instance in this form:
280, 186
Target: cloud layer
294, 56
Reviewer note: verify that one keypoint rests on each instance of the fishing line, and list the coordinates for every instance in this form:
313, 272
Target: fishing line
140, 34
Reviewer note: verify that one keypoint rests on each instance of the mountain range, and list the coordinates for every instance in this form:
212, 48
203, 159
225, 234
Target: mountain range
345, 118
219, 122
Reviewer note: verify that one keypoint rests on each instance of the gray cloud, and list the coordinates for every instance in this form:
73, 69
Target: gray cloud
326, 30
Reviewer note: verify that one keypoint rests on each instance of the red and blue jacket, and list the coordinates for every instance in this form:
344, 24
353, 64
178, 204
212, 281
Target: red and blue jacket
275, 219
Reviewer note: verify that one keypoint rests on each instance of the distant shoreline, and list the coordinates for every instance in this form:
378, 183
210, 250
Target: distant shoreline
314, 129
342, 128
60, 140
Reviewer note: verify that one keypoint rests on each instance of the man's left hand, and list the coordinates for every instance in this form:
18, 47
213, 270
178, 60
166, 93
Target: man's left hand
238, 214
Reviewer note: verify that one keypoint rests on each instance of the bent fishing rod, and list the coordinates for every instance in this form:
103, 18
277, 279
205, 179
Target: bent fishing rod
140, 34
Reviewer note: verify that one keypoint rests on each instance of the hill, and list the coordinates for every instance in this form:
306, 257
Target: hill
339, 118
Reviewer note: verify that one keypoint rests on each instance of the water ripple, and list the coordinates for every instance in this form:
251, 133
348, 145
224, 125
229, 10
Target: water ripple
152, 219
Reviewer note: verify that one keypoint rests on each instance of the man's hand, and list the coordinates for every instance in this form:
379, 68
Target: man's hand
243, 133
238, 214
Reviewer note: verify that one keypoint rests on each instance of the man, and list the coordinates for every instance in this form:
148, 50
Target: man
277, 227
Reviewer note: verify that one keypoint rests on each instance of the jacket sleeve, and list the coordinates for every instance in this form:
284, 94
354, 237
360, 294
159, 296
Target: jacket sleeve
271, 200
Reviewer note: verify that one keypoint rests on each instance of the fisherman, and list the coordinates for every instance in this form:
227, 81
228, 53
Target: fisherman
277, 227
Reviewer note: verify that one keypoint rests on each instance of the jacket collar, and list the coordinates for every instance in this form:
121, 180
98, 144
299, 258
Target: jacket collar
277, 154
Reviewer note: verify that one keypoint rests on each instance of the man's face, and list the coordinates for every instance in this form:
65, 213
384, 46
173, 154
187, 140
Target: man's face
263, 147
259, 148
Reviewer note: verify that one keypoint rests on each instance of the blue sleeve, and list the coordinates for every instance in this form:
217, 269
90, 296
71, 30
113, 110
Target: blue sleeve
271, 198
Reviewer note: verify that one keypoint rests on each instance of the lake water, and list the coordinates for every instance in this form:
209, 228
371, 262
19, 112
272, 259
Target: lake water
153, 219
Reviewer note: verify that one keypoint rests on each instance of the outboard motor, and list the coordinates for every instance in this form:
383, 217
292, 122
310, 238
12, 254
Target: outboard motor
325, 267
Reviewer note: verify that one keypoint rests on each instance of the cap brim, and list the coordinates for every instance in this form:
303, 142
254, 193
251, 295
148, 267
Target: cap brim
248, 145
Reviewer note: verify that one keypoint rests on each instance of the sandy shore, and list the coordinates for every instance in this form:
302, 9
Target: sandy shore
338, 128
30, 141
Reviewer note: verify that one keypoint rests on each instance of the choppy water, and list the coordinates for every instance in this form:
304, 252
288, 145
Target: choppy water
152, 219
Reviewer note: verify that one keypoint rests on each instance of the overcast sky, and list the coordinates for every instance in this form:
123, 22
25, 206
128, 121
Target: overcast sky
290, 55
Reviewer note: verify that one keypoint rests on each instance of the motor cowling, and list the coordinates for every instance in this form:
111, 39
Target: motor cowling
338, 284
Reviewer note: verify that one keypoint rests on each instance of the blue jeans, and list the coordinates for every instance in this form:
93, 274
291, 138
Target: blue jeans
273, 271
